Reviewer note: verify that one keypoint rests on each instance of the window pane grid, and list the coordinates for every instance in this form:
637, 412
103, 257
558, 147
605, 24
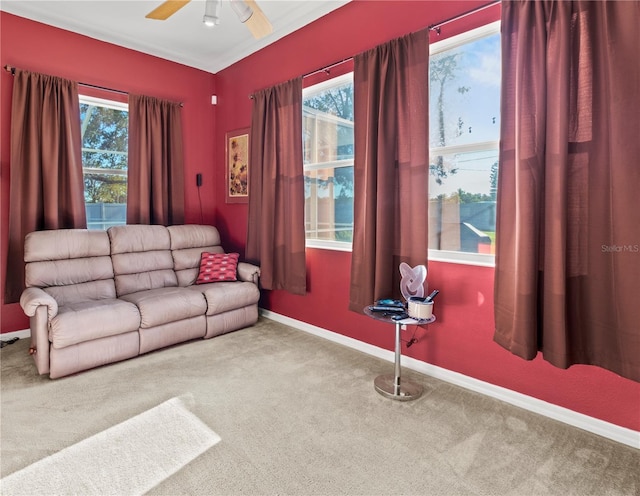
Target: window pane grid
328, 161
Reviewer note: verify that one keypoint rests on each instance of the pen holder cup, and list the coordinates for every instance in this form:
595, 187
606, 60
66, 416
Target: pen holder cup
418, 308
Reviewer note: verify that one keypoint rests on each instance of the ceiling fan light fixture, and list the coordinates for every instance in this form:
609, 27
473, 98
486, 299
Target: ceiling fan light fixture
210, 21
242, 10
212, 13
248, 12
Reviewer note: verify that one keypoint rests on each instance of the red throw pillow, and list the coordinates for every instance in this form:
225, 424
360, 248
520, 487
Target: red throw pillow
216, 267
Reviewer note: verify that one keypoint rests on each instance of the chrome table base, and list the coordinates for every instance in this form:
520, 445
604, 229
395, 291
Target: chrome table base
396, 388
392, 386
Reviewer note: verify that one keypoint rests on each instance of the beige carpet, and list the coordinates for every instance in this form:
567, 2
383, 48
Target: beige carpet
299, 415
129, 458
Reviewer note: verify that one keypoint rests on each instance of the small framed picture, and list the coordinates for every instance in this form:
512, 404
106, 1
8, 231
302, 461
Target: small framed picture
237, 166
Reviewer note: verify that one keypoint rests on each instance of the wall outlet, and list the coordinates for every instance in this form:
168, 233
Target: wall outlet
198, 180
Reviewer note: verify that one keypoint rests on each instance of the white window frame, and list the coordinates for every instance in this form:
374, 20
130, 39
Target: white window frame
459, 257
318, 88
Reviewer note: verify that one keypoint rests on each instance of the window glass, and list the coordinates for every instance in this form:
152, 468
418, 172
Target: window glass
328, 161
104, 126
462, 210
464, 130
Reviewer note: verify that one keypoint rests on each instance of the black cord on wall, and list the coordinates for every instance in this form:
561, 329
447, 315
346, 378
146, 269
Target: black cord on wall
198, 184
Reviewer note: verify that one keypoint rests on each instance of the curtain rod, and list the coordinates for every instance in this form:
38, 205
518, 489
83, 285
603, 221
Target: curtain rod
12, 70
317, 71
327, 68
433, 27
436, 27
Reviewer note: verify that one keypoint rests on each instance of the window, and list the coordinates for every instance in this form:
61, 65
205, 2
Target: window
464, 129
327, 131
104, 127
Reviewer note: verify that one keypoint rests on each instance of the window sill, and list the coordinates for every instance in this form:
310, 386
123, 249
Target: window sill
458, 257
329, 245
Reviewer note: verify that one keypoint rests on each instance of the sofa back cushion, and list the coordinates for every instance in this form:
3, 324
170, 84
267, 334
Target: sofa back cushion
141, 258
72, 265
187, 244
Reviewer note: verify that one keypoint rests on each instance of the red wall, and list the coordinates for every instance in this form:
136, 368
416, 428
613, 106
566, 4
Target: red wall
461, 339
41, 48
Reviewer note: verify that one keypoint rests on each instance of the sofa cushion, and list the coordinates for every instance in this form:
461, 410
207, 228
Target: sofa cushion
92, 319
143, 261
74, 293
224, 296
186, 269
69, 271
189, 236
137, 237
65, 244
141, 258
162, 305
217, 267
145, 279
187, 244
72, 265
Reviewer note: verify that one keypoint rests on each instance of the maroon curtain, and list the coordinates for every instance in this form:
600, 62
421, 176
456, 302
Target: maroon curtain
47, 188
567, 278
155, 180
275, 237
391, 169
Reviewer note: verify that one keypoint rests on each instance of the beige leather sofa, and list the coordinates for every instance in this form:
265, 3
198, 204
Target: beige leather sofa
96, 297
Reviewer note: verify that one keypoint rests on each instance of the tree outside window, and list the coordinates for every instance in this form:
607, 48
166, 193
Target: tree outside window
104, 126
464, 129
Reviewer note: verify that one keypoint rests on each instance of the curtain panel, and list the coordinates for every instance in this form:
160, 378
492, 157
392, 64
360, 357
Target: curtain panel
46, 183
567, 275
155, 180
391, 167
276, 237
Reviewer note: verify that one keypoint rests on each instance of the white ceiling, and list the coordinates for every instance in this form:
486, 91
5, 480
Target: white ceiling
183, 37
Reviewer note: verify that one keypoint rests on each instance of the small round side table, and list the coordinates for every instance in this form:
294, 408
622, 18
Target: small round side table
392, 385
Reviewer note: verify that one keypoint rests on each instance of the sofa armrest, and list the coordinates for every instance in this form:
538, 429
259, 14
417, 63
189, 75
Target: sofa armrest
32, 298
40, 307
40, 346
248, 272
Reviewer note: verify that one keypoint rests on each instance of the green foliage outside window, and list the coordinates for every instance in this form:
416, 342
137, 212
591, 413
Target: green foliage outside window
104, 153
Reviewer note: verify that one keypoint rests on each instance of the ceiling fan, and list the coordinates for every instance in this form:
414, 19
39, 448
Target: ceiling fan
247, 11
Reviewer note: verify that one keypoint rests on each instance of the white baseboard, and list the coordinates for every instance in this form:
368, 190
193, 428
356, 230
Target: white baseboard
575, 419
25, 333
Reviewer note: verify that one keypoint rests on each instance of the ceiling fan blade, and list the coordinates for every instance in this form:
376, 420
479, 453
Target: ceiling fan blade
258, 23
166, 9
